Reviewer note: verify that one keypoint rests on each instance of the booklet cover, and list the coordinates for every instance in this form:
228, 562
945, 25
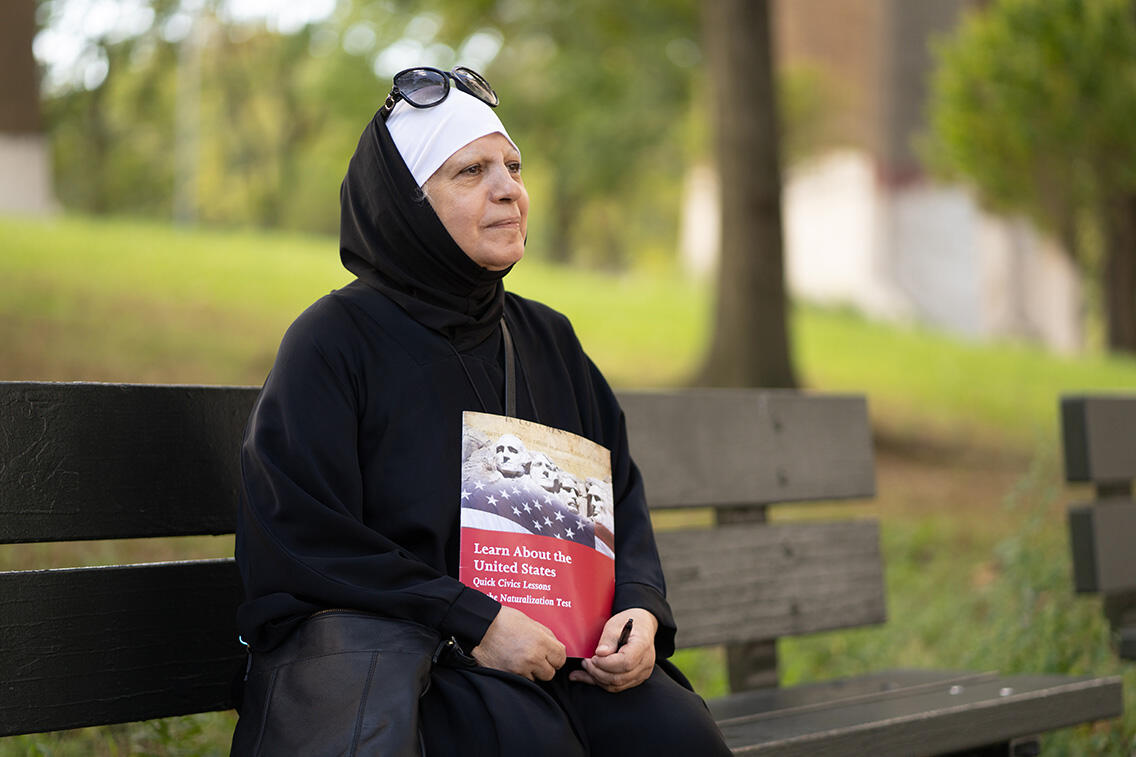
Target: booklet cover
537, 524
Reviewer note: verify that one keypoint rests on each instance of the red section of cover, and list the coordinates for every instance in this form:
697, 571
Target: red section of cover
564, 585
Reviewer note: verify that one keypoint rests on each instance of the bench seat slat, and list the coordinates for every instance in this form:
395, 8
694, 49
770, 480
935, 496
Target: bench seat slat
116, 644
753, 582
990, 710
775, 701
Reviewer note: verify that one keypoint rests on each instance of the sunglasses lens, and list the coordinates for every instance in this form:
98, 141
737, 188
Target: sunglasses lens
421, 86
475, 84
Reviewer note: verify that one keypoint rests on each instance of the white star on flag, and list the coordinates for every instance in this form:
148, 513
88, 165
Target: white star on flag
537, 526
559, 515
465, 494
516, 512
492, 500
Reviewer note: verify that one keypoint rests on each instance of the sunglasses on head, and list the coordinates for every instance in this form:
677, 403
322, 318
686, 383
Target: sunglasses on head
425, 87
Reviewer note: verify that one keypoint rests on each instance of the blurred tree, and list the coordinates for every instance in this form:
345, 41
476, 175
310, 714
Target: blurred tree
211, 120
112, 124
263, 120
1034, 101
750, 344
205, 118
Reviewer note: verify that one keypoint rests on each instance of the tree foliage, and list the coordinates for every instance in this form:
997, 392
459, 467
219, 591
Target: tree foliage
258, 135
236, 122
1034, 102
598, 95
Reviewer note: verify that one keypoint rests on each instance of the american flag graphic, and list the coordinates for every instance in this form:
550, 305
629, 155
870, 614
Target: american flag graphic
520, 506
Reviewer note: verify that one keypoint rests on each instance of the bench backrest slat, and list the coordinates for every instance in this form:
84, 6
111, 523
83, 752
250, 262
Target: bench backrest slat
75, 454
1102, 537
107, 461
116, 644
753, 582
722, 447
1099, 438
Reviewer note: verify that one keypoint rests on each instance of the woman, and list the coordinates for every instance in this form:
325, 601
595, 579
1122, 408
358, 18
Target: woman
351, 473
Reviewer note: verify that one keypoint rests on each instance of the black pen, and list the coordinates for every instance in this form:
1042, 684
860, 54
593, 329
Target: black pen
625, 634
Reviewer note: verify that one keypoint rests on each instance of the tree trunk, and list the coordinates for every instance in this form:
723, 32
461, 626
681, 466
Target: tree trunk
750, 343
564, 213
25, 158
98, 144
1119, 283
19, 86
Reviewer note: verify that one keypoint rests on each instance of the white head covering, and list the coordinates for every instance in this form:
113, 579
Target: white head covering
427, 137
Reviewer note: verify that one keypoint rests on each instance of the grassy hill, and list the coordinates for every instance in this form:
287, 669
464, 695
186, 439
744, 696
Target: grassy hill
971, 500
133, 301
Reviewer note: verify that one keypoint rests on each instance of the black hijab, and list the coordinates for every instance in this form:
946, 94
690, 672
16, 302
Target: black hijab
391, 238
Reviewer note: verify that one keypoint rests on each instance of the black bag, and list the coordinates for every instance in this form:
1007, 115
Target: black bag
343, 683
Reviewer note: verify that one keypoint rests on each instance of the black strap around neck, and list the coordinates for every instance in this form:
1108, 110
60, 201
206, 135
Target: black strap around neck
510, 373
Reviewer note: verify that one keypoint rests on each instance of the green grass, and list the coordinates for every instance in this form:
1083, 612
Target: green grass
132, 301
917, 379
970, 495
127, 301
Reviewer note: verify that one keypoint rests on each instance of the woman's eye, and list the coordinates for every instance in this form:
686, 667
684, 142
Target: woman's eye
515, 167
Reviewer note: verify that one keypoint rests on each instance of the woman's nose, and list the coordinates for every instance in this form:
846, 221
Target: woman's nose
503, 184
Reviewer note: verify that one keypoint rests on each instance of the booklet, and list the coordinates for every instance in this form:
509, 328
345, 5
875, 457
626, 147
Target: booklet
537, 524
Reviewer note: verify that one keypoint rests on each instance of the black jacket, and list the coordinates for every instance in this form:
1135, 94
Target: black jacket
352, 465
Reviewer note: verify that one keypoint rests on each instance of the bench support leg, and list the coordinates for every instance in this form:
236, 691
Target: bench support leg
1120, 608
752, 665
1027, 747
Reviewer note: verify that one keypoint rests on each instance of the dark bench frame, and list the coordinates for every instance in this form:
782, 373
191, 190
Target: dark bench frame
1099, 441
90, 646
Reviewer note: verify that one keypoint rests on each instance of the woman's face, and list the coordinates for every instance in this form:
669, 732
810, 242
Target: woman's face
480, 197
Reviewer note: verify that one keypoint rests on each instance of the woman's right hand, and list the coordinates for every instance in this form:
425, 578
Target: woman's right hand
518, 644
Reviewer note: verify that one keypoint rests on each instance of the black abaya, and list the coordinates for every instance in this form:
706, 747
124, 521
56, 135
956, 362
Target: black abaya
351, 466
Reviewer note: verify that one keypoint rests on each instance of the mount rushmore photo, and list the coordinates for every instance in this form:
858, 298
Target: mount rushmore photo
539, 485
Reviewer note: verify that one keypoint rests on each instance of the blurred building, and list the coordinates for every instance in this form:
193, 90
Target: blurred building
864, 224
25, 164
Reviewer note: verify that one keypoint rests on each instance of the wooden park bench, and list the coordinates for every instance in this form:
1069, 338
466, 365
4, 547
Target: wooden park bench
99, 645
1099, 435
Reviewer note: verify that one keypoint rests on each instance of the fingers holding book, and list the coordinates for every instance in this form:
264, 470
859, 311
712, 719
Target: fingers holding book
617, 666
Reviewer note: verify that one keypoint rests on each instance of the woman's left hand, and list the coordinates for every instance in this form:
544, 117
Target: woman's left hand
617, 670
